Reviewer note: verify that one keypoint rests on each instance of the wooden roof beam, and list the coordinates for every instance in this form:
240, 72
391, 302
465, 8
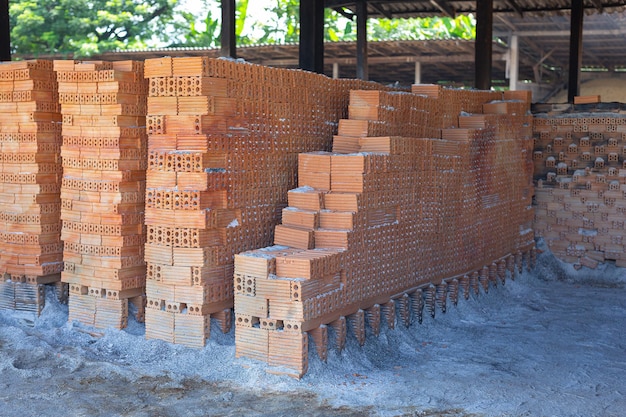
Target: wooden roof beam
345, 13
380, 10
448, 59
338, 3
444, 7
523, 38
598, 5
516, 8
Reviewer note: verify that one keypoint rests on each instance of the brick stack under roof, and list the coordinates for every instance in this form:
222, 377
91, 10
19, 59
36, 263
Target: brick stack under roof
401, 222
30, 178
580, 168
224, 139
104, 168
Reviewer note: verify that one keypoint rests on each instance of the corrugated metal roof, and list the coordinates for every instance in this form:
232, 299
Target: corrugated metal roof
424, 8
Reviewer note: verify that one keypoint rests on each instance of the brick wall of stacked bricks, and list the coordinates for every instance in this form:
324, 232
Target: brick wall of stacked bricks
224, 139
580, 169
390, 220
30, 179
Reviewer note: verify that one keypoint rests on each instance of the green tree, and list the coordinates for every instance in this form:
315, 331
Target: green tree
463, 27
189, 32
85, 27
283, 26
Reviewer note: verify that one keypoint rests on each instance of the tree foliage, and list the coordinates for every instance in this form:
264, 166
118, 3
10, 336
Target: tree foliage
284, 26
461, 27
189, 31
85, 27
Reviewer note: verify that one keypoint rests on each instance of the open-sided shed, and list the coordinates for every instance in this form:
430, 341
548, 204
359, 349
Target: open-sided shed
537, 35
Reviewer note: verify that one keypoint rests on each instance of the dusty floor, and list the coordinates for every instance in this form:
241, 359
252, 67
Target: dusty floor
550, 343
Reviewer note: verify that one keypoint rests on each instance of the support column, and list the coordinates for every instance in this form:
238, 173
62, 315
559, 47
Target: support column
575, 50
228, 39
483, 44
418, 72
5, 32
513, 62
335, 70
361, 40
312, 35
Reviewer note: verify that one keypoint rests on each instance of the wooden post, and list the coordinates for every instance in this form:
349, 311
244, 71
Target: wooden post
575, 50
312, 35
513, 62
228, 38
5, 32
483, 44
361, 40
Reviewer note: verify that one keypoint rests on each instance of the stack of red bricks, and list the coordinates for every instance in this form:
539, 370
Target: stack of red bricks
103, 105
400, 223
580, 169
224, 139
30, 177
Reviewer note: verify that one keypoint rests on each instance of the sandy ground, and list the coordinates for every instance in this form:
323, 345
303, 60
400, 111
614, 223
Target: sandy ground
550, 343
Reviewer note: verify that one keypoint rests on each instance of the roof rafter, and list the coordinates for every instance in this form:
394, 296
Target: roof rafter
516, 8
382, 11
598, 5
423, 8
444, 7
342, 11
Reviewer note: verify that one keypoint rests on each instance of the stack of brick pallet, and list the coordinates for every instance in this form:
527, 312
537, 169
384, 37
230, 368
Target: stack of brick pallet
30, 178
397, 224
103, 106
580, 169
224, 139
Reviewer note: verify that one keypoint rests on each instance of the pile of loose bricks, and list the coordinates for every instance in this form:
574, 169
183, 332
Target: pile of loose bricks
580, 169
399, 222
156, 183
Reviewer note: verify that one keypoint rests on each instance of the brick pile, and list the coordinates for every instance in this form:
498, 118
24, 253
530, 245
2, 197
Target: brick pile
402, 222
224, 139
103, 106
580, 169
30, 179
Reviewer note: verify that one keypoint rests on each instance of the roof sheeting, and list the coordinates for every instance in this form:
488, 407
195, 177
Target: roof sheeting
427, 8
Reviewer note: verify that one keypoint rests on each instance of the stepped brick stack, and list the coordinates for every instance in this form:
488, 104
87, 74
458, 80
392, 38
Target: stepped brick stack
30, 178
224, 139
580, 169
103, 105
402, 222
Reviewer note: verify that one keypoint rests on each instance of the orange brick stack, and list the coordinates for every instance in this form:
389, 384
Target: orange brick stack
224, 139
401, 223
30, 177
580, 169
102, 193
